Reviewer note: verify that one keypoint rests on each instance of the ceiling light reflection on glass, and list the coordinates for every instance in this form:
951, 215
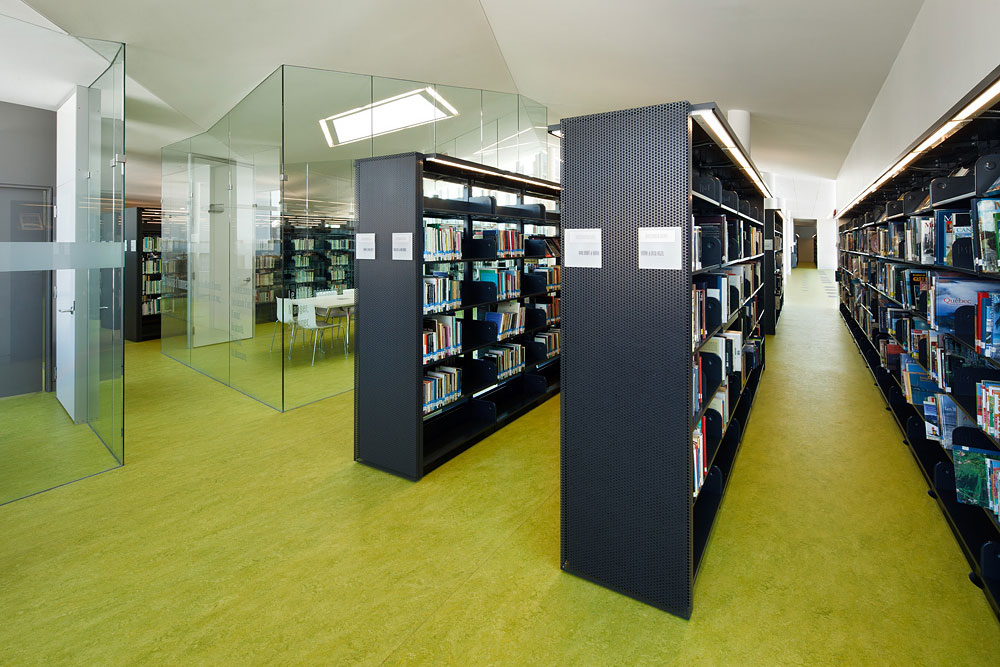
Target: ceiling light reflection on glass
401, 112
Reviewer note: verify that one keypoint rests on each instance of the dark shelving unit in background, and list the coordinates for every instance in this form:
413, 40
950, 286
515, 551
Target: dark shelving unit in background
630, 519
143, 263
921, 188
773, 277
391, 431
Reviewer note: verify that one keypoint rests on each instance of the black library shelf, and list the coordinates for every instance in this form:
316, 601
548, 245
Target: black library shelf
920, 293
459, 330
774, 285
143, 273
664, 356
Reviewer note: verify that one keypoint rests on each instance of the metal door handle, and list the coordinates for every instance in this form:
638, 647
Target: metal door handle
72, 309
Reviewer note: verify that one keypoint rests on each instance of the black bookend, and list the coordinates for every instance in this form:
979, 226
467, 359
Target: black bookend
744, 207
522, 211
482, 248
534, 318
478, 292
535, 248
535, 353
713, 314
478, 332
731, 199
969, 436
987, 172
915, 430
478, 374
922, 352
965, 324
734, 297
711, 368
711, 251
709, 186
944, 480
952, 188
963, 255
533, 284
713, 433
894, 208
989, 564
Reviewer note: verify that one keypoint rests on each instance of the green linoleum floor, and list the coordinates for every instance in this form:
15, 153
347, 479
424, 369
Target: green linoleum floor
236, 535
41, 447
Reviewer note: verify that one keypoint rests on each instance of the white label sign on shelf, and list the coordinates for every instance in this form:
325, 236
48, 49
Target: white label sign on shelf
402, 246
583, 248
660, 248
365, 246
768, 244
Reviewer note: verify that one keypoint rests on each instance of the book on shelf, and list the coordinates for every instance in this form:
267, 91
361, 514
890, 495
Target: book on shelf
442, 291
510, 242
720, 403
949, 227
509, 359
986, 220
949, 417
442, 337
551, 340
699, 455
928, 240
442, 386
977, 477
151, 244
917, 384
550, 306
442, 240
553, 275
508, 281
930, 415
736, 339
509, 318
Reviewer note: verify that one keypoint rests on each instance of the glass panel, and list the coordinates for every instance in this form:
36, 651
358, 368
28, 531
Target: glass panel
404, 116
255, 269
460, 134
176, 221
208, 261
500, 130
532, 145
328, 120
105, 199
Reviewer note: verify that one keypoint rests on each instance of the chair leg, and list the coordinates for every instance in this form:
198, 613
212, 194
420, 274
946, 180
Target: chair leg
315, 338
291, 343
273, 334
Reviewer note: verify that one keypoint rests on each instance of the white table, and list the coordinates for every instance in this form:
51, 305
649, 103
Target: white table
331, 301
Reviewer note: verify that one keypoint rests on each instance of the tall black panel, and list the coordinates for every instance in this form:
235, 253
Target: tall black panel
626, 373
388, 407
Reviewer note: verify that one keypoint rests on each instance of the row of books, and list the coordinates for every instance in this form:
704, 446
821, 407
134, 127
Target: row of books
264, 279
551, 339
338, 273
441, 292
977, 477
303, 275
442, 386
699, 454
339, 259
988, 407
442, 337
553, 248
553, 275
264, 296
738, 238
150, 307
301, 261
551, 309
341, 244
150, 266
151, 244
442, 242
151, 286
508, 281
266, 262
509, 318
303, 244
510, 242
728, 347
509, 359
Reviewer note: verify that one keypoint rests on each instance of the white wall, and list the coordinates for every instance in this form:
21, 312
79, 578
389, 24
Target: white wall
953, 41
810, 198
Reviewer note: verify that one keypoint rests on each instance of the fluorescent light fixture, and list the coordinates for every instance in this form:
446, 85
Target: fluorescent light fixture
556, 130
708, 120
401, 112
983, 100
512, 177
976, 105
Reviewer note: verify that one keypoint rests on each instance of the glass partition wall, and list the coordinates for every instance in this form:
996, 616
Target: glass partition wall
258, 226
61, 346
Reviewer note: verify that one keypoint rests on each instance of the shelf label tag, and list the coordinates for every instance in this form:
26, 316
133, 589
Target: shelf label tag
402, 246
660, 248
583, 248
365, 246
768, 244
133, 245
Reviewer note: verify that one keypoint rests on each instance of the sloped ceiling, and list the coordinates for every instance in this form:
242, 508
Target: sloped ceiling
807, 71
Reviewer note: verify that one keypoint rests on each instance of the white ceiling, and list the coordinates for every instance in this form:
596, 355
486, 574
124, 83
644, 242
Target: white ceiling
807, 71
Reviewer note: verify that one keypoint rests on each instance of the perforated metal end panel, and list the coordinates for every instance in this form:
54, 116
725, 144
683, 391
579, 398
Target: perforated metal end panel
387, 424
626, 369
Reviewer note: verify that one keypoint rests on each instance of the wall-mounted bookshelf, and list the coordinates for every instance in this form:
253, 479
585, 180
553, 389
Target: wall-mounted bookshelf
774, 292
461, 334
920, 294
662, 360
143, 273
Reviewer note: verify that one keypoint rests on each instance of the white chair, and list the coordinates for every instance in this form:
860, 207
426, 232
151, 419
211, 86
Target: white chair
307, 320
286, 317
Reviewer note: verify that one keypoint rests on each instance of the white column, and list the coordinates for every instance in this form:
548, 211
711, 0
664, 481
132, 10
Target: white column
739, 120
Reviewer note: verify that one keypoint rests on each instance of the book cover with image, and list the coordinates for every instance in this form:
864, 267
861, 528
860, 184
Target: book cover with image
975, 481
987, 219
927, 241
950, 294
